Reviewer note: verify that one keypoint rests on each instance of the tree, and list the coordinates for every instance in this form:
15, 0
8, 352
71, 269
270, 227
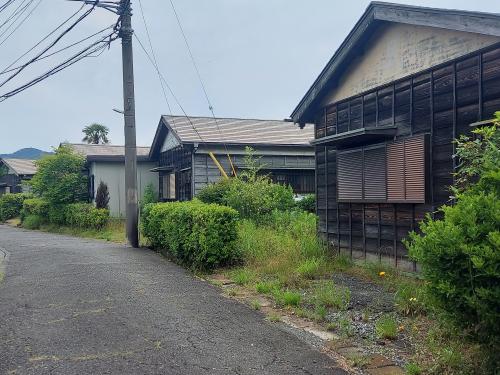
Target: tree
60, 178
96, 134
102, 196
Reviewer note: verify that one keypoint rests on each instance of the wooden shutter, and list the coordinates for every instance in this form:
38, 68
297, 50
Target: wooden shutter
396, 172
415, 169
350, 175
374, 180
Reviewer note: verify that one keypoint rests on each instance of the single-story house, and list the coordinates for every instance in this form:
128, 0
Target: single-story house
107, 163
15, 172
403, 85
182, 146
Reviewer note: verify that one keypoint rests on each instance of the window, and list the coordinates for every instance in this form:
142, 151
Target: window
168, 186
406, 170
392, 172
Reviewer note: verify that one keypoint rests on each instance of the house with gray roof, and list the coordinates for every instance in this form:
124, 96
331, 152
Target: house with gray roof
13, 172
182, 149
106, 163
402, 86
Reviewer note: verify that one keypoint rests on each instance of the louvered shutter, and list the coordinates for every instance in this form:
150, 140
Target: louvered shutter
374, 180
415, 169
350, 175
396, 172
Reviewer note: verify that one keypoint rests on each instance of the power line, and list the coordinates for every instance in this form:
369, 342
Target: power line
156, 62
20, 23
62, 49
97, 47
73, 25
169, 88
44, 38
210, 106
15, 12
7, 3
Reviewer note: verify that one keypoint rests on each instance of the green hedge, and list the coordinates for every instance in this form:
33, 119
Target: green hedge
201, 236
254, 199
85, 215
35, 206
11, 205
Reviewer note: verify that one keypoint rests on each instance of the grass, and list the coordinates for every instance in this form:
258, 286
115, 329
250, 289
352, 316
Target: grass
329, 295
287, 298
114, 231
413, 369
256, 305
386, 327
267, 287
274, 318
241, 276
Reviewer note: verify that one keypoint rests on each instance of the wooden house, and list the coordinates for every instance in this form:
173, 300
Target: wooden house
182, 145
402, 86
15, 172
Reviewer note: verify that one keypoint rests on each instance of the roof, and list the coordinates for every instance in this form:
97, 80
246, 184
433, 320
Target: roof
107, 152
21, 166
377, 13
233, 131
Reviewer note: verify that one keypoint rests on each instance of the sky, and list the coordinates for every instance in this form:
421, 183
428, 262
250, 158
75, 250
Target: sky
257, 58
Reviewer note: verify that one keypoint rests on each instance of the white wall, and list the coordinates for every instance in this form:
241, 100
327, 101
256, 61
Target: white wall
113, 174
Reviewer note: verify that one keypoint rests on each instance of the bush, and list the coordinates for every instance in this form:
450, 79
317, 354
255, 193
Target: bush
85, 215
35, 206
199, 235
459, 254
308, 203
11, 205
216, 192
258, 198
57, 214
33, 221
102, 196
149, 196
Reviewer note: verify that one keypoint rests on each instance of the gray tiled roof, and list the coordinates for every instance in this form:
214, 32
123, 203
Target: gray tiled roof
239, 131
106, 152
21, 166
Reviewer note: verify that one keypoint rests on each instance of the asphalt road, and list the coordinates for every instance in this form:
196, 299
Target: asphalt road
76, 306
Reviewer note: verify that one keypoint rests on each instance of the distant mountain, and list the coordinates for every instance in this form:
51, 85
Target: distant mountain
26, 153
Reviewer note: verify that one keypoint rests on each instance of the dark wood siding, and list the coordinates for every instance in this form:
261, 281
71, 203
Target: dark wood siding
439, 104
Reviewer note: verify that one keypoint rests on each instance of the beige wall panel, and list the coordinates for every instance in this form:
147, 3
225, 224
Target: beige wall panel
398, 50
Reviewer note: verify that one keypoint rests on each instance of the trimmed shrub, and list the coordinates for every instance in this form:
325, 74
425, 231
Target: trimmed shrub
216, 192
11, 205
308, 203
35, 206
85, 215
57, 214
201, 236
33, 221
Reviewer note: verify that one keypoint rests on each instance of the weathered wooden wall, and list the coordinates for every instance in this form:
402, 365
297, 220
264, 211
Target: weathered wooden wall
441, 102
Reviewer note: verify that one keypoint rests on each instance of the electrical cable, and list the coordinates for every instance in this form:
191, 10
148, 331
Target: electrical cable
156, 64
210, 106
44, 38
169, 88
20, 23
81, 18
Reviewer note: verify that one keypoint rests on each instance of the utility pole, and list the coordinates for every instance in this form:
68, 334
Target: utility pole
125, 34
123, 9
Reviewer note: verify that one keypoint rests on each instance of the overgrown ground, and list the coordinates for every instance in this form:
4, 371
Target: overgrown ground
290, 275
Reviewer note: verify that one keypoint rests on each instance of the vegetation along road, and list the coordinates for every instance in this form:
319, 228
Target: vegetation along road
74, 306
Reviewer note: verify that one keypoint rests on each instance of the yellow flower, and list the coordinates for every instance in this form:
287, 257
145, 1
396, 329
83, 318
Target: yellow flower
401, 328
381, 273
413, 299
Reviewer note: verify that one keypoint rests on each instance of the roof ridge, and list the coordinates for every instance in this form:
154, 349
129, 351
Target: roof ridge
228, 118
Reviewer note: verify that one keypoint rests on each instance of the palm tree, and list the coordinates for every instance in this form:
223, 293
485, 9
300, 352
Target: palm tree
96, 134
